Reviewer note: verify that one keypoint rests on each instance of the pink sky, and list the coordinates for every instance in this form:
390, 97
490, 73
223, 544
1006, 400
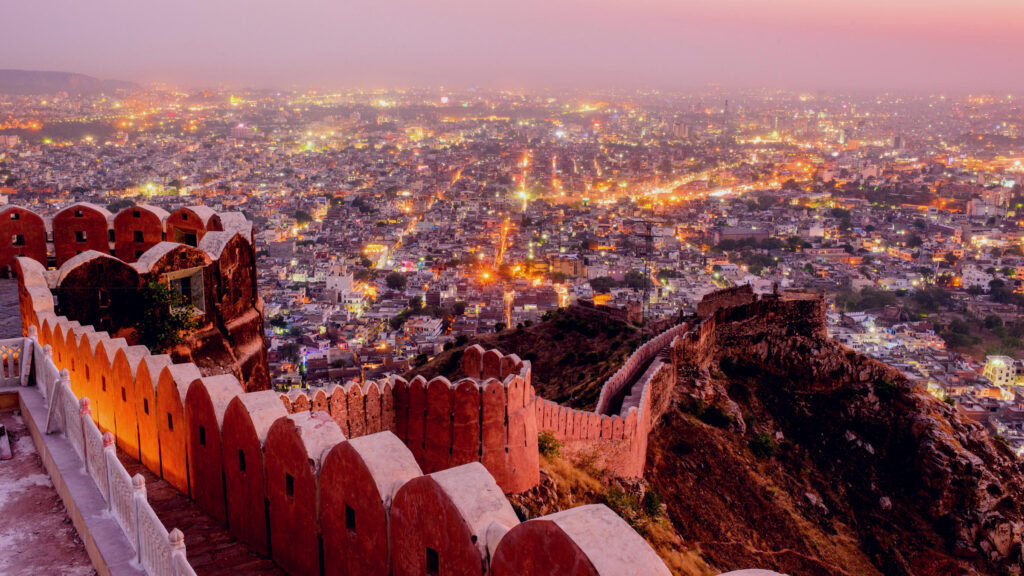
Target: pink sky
958, 45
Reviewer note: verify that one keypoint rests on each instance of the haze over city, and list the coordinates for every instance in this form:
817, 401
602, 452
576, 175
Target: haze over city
940, 45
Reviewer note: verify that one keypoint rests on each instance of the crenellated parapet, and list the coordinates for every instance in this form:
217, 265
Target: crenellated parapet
53, 240
490, 418
384, 477
206, 256
322, 482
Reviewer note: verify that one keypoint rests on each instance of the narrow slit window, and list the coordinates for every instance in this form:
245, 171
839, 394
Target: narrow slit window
350, 519
433, 562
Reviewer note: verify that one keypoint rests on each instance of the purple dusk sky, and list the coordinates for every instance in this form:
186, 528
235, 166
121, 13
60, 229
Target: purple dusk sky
961, 45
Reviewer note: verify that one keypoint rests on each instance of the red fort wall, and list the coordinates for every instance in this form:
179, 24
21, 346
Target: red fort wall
346, 468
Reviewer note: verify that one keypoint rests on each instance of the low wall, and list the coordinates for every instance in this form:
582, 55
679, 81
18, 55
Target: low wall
108, 507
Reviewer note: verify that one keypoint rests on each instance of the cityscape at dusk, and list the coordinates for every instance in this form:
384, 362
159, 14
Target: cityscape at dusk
522, 289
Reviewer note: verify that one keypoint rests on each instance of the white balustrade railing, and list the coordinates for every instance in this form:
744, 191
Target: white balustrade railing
95, 461
159, 552
122, 490
154, 540
11, 361
72, 414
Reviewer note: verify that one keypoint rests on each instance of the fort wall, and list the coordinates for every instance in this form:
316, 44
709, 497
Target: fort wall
284, 475
97, 265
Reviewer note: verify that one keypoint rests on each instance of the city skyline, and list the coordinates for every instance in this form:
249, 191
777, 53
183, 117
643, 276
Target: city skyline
942, 46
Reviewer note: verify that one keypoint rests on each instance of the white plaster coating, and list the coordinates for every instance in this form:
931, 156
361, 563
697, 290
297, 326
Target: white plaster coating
156, 210
319, 433
236, 222
478, 498
152, 257
264, 409
213, 243
203, 212
389, 461
134, 355
155, 364
221, 388
608, 541
183, 375
79, 259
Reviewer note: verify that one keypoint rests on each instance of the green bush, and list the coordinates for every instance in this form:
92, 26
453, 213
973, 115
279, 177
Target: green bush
885, 389
763, 445
651, 503
715, 415
548, 445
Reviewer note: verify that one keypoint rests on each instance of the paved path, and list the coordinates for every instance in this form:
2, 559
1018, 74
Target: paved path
10, 313
36, 535
211, 550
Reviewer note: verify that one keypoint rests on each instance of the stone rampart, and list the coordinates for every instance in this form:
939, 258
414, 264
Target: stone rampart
99, 283
327, 484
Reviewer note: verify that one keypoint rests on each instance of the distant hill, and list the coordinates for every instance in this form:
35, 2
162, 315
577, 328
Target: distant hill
39, 82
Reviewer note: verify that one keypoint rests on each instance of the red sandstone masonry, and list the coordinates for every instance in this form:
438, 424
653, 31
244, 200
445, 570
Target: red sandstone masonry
16, 222
247, 421
205, 404
90, 277
371, 484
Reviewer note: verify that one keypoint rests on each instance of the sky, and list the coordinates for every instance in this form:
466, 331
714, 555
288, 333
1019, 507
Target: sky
933, 45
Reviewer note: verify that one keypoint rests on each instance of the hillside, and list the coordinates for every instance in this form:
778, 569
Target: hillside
572, 355
783, 450
796, 454
42, 82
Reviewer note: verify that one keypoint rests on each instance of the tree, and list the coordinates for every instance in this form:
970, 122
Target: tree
666, 273
459, 308
116, 206
302, 217
415, 303
279, 322
498, 327
603, 284
636, 279
164, 319
397, 322
992, 321
289, 351
396, 281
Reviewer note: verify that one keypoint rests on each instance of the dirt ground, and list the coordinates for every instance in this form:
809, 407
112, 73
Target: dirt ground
36, 535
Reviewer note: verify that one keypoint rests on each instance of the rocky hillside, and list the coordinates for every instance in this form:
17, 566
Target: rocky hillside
790, 452
783, 450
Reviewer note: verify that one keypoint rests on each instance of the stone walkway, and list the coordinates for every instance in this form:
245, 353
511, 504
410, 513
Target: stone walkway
36, 535
211, 550
10, 314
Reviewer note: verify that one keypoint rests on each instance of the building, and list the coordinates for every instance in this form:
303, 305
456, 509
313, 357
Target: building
1001, 370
